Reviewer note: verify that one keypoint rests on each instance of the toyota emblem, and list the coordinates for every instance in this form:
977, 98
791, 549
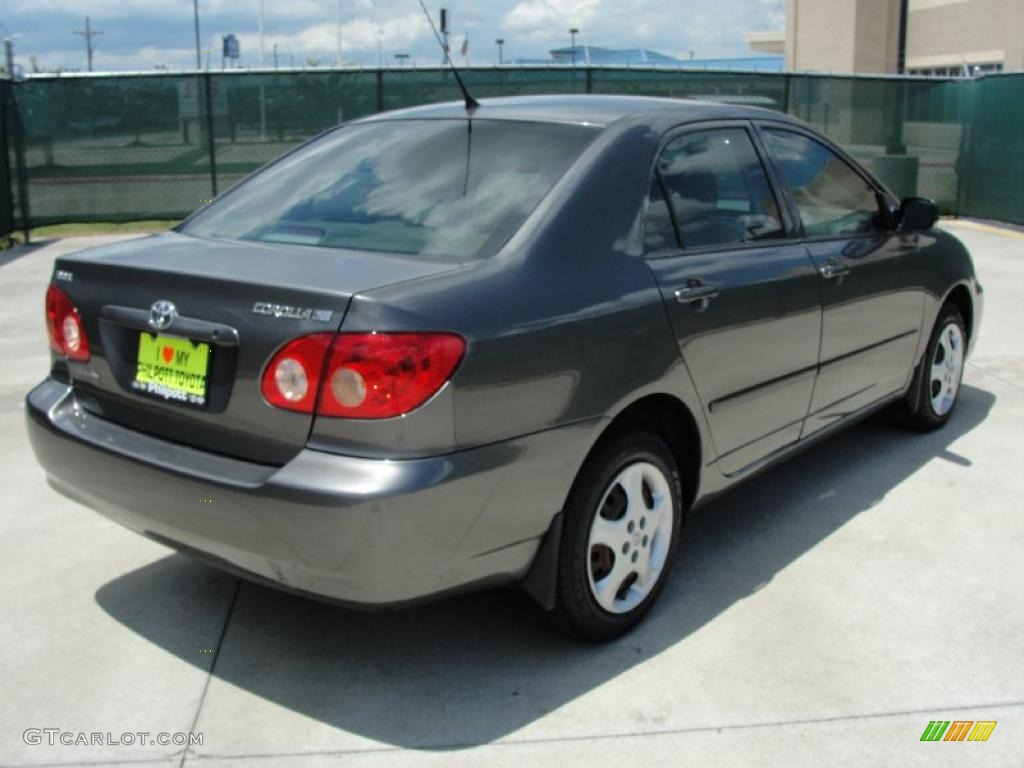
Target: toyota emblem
162, 314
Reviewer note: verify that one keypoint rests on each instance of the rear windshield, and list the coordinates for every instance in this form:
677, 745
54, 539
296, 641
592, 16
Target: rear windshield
446, 188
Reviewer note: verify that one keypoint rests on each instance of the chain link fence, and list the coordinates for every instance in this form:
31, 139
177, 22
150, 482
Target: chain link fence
157, 146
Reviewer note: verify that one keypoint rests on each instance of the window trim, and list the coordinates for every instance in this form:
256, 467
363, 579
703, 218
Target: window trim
882, 194
789, 225
657, 179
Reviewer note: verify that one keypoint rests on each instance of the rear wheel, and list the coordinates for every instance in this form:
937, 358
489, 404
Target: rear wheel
941, 372
621, 532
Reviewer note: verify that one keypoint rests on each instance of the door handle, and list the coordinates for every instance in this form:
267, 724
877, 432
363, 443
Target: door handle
697, 291
832, 268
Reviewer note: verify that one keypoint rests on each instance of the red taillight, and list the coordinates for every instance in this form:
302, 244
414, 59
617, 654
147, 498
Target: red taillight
377, 375
367, 375
64, 326
292, 377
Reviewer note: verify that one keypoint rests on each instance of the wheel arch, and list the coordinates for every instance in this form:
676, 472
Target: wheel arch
669, 418
662, 414
960, 297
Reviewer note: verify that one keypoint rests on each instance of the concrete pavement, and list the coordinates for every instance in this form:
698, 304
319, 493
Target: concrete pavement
822, 614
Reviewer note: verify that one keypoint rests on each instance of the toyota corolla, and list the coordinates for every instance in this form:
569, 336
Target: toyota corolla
441, 349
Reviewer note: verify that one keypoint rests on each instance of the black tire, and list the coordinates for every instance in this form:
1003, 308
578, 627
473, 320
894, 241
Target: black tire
577, 611
924, 417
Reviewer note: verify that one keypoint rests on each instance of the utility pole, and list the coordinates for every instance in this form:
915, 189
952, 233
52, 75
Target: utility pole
262, 46
275, 55
444, 35
263, 92
89, 34
501, 59
195, 13
337, 54
572, 37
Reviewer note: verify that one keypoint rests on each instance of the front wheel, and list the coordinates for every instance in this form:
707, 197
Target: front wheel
942, 370
621, 532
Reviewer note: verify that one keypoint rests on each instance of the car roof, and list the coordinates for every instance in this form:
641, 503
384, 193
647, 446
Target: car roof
583, 109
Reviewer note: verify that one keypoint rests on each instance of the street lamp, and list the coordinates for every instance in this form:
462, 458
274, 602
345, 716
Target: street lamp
501, 42
401, 58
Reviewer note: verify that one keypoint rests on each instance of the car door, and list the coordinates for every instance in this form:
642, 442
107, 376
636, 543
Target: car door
871, 311
742, 295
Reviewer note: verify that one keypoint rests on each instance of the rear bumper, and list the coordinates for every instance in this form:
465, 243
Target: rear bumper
360, 531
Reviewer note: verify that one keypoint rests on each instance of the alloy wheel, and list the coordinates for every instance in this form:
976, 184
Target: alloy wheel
630, 537
947, 369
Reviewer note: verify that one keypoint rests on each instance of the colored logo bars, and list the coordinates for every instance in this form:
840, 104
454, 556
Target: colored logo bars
958, 730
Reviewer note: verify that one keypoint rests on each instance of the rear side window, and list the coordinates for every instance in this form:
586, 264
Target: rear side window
718, 190
831, 197
447, 188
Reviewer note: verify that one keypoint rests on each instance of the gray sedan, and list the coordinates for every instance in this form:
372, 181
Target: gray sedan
441, 349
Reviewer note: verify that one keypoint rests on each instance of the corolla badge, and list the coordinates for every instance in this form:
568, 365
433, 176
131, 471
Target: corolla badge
162, 314
292, 313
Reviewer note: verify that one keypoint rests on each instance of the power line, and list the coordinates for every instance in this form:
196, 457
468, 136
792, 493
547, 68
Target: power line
89, 33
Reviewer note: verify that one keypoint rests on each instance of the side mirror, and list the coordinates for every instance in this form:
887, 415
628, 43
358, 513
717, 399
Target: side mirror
917, 214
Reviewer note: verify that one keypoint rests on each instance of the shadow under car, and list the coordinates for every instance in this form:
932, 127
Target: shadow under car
487, 661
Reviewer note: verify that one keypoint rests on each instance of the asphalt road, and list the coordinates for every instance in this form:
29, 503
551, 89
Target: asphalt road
821, 615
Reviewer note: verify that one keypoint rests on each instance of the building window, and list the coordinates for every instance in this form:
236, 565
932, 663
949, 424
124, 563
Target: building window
964, 70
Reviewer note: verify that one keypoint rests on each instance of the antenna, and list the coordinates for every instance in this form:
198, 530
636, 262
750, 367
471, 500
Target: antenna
471, 103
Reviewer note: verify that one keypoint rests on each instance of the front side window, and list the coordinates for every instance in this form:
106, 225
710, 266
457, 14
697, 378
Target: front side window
831, 197
443, 188
718, 190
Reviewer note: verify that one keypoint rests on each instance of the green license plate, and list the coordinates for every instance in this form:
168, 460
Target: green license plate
172, 368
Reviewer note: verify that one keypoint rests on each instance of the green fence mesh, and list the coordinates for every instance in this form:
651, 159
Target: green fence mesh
6, 179
991, 158
120, 148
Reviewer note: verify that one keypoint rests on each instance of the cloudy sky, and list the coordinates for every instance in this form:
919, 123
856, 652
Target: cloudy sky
143, 34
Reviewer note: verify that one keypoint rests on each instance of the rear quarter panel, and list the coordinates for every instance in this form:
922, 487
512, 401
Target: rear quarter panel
565, 325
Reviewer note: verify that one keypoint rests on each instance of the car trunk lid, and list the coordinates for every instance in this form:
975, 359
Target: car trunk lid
240, 299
